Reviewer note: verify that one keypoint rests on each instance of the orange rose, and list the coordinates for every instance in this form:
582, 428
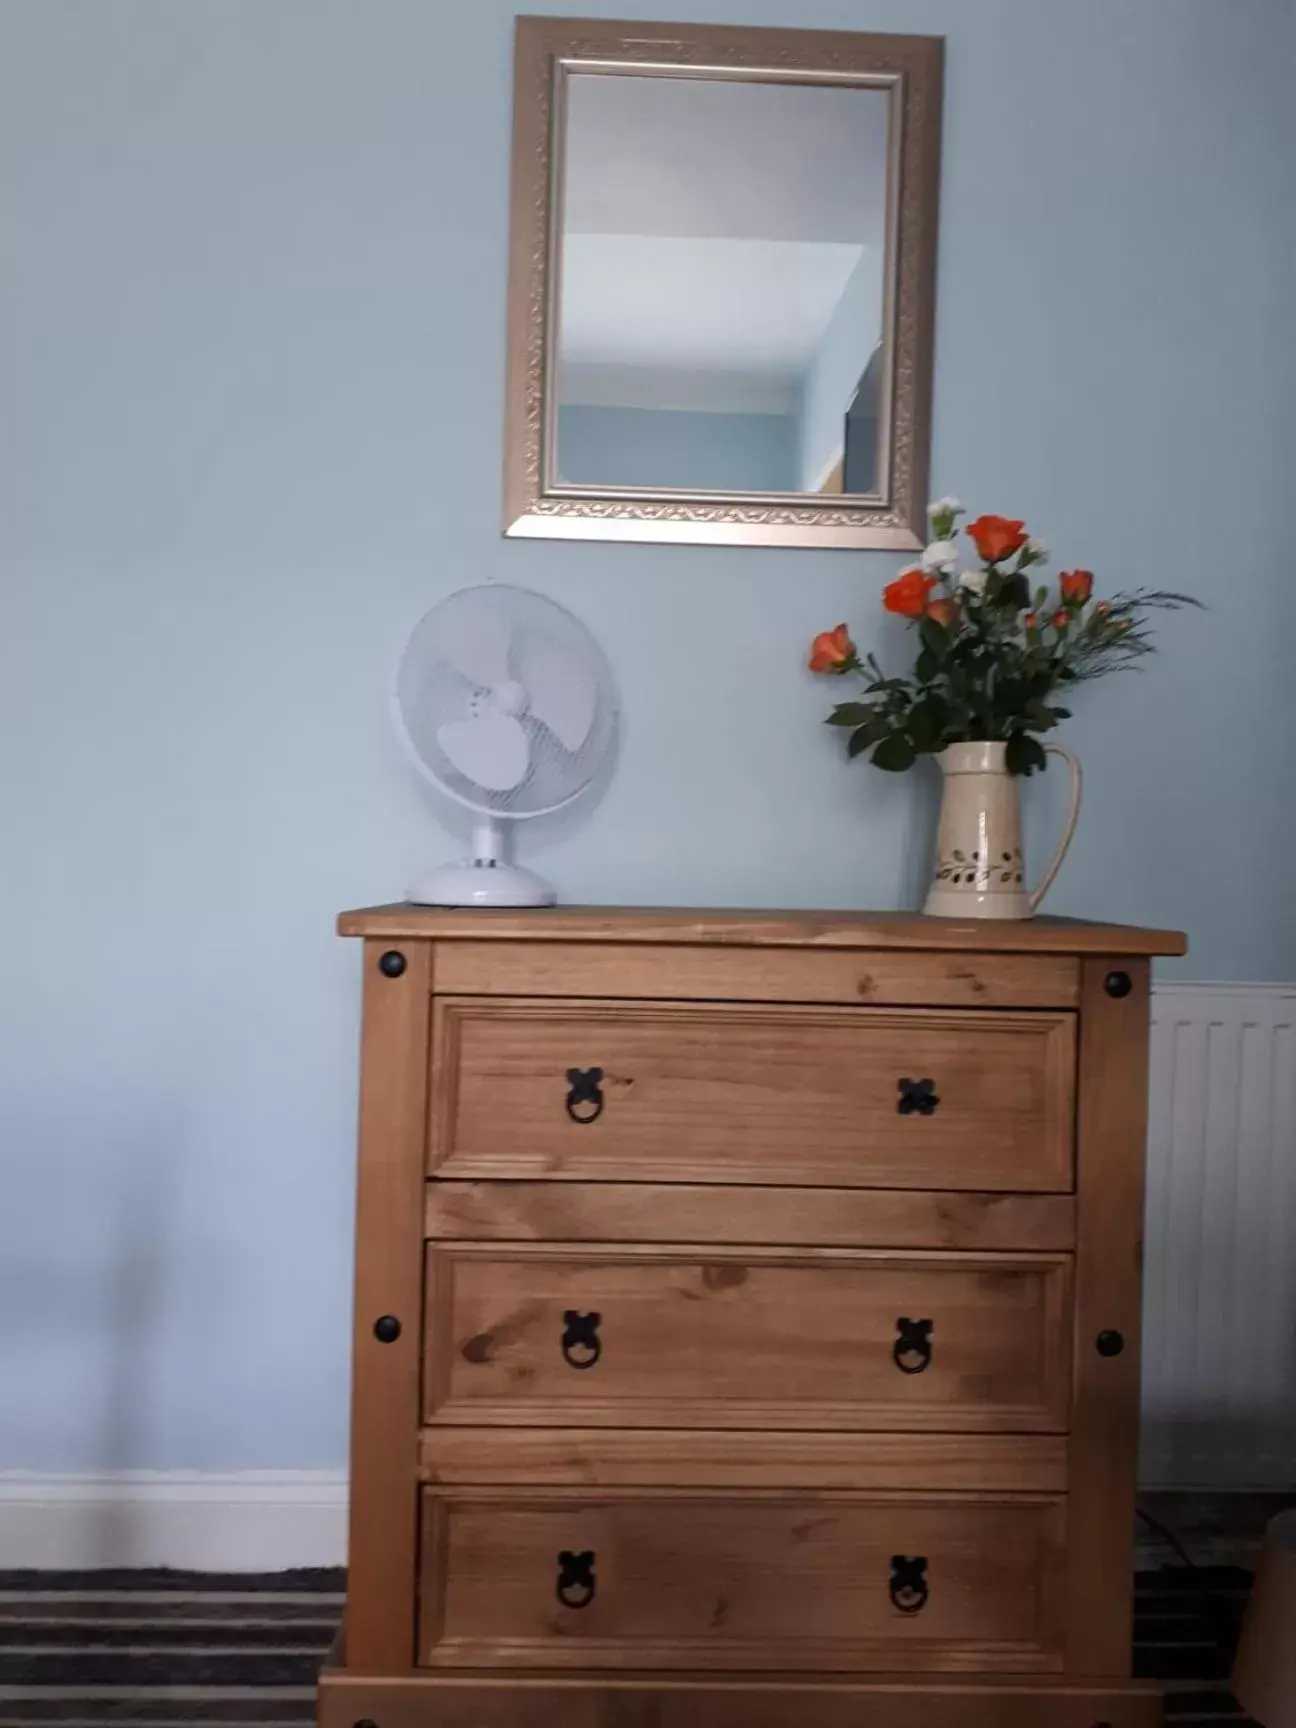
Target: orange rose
997, 537
944, 611
1076, 586
832, 651
1031, 620
907, 595
1061, 618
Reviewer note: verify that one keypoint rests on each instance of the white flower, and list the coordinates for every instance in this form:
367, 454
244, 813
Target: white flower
945, 507
974, 581
940, 558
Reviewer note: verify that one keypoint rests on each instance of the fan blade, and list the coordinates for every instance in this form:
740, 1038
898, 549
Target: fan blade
491, 752
560, 692
475, 641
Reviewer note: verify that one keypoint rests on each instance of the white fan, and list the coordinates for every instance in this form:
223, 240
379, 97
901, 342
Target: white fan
505, 702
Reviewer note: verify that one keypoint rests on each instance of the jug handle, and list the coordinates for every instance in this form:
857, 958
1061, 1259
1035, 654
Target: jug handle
1073, 813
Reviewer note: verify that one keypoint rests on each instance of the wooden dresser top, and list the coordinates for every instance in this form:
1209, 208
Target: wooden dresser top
719, 927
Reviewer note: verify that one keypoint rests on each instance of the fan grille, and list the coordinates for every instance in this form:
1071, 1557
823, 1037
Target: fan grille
450, 670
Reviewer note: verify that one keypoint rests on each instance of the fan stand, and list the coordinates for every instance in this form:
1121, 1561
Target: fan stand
485, 879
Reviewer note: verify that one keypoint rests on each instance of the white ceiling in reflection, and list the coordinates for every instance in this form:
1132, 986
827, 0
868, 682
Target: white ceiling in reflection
709, 230
676, 306
725, 159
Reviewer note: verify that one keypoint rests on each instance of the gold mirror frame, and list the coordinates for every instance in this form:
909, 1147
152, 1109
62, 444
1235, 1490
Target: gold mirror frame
547, 52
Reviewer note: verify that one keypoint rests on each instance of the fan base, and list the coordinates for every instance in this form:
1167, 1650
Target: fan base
481, 882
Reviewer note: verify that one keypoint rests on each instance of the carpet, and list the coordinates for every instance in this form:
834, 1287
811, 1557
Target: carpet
161, 1649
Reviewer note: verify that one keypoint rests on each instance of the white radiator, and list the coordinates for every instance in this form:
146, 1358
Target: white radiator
1219, 1368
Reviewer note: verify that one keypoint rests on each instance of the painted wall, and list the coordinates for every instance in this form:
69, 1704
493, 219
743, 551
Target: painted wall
253, 303
677, 447
833, 375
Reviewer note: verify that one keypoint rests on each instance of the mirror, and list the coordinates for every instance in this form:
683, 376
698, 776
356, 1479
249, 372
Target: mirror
721, 302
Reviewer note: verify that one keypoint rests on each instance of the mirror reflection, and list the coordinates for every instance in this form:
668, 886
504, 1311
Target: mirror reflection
721, 280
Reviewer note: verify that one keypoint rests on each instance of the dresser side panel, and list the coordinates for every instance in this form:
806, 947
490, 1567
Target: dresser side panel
1111, 1129
388, 1282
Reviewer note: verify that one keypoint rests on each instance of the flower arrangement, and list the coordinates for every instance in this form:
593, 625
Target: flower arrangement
993, 651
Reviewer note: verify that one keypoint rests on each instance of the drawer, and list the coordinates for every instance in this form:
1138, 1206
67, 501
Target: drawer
705, 1580
729, 1092
630, 1336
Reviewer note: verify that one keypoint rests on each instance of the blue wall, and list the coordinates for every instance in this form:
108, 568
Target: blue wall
253, 365
674, 447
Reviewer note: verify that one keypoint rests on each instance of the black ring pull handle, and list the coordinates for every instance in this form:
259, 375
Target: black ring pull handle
917, 1097
585, 1099
576, 1581
909, 1590
912, 1350
581, 1344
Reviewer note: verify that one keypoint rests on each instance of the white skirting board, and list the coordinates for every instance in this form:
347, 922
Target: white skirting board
243, 1521
1220, 1346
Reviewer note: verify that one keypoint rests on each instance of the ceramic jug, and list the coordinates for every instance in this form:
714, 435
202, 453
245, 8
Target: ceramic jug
979, 870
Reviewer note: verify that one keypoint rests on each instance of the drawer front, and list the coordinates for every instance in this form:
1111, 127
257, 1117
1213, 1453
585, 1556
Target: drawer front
626, 1336
573, 1579
673, 1092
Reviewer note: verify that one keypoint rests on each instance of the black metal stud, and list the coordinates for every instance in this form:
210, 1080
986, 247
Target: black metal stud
1118, 984
1110, 1343
387, 1328
392, 963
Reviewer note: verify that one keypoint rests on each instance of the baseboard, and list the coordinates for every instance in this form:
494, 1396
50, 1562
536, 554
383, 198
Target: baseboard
243, 1521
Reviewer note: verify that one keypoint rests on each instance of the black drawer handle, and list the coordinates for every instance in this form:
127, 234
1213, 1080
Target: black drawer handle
585, 1099
912, 1350
917, 1097
576, 1581
909, 1583
581, 1344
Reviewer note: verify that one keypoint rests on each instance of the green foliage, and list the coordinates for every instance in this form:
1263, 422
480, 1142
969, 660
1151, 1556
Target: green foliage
991, 665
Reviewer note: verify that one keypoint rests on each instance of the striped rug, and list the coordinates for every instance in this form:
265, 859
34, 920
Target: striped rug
85, 1649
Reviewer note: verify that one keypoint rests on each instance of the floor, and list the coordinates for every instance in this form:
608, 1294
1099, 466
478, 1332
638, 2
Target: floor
82, 1650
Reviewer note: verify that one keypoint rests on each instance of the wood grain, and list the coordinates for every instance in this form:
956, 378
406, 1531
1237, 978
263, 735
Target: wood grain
824, 1217
701, 1700
682, 1458
881, 977
388, 1281
747, 1093
743, 927
746, 1338
740, 1580
1112, 1126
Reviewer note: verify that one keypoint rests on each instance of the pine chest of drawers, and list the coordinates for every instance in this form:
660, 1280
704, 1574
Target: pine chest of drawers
747, 1314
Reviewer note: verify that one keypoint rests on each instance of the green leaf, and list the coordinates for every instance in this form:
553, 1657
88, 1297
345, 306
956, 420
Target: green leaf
926, 722
895, 754
1024, 754
851, 714
925, 666
934, 637
869, 734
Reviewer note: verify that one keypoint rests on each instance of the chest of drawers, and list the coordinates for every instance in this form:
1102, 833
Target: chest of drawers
747, 1316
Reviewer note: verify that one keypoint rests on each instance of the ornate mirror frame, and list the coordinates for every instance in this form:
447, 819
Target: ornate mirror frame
547, 52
